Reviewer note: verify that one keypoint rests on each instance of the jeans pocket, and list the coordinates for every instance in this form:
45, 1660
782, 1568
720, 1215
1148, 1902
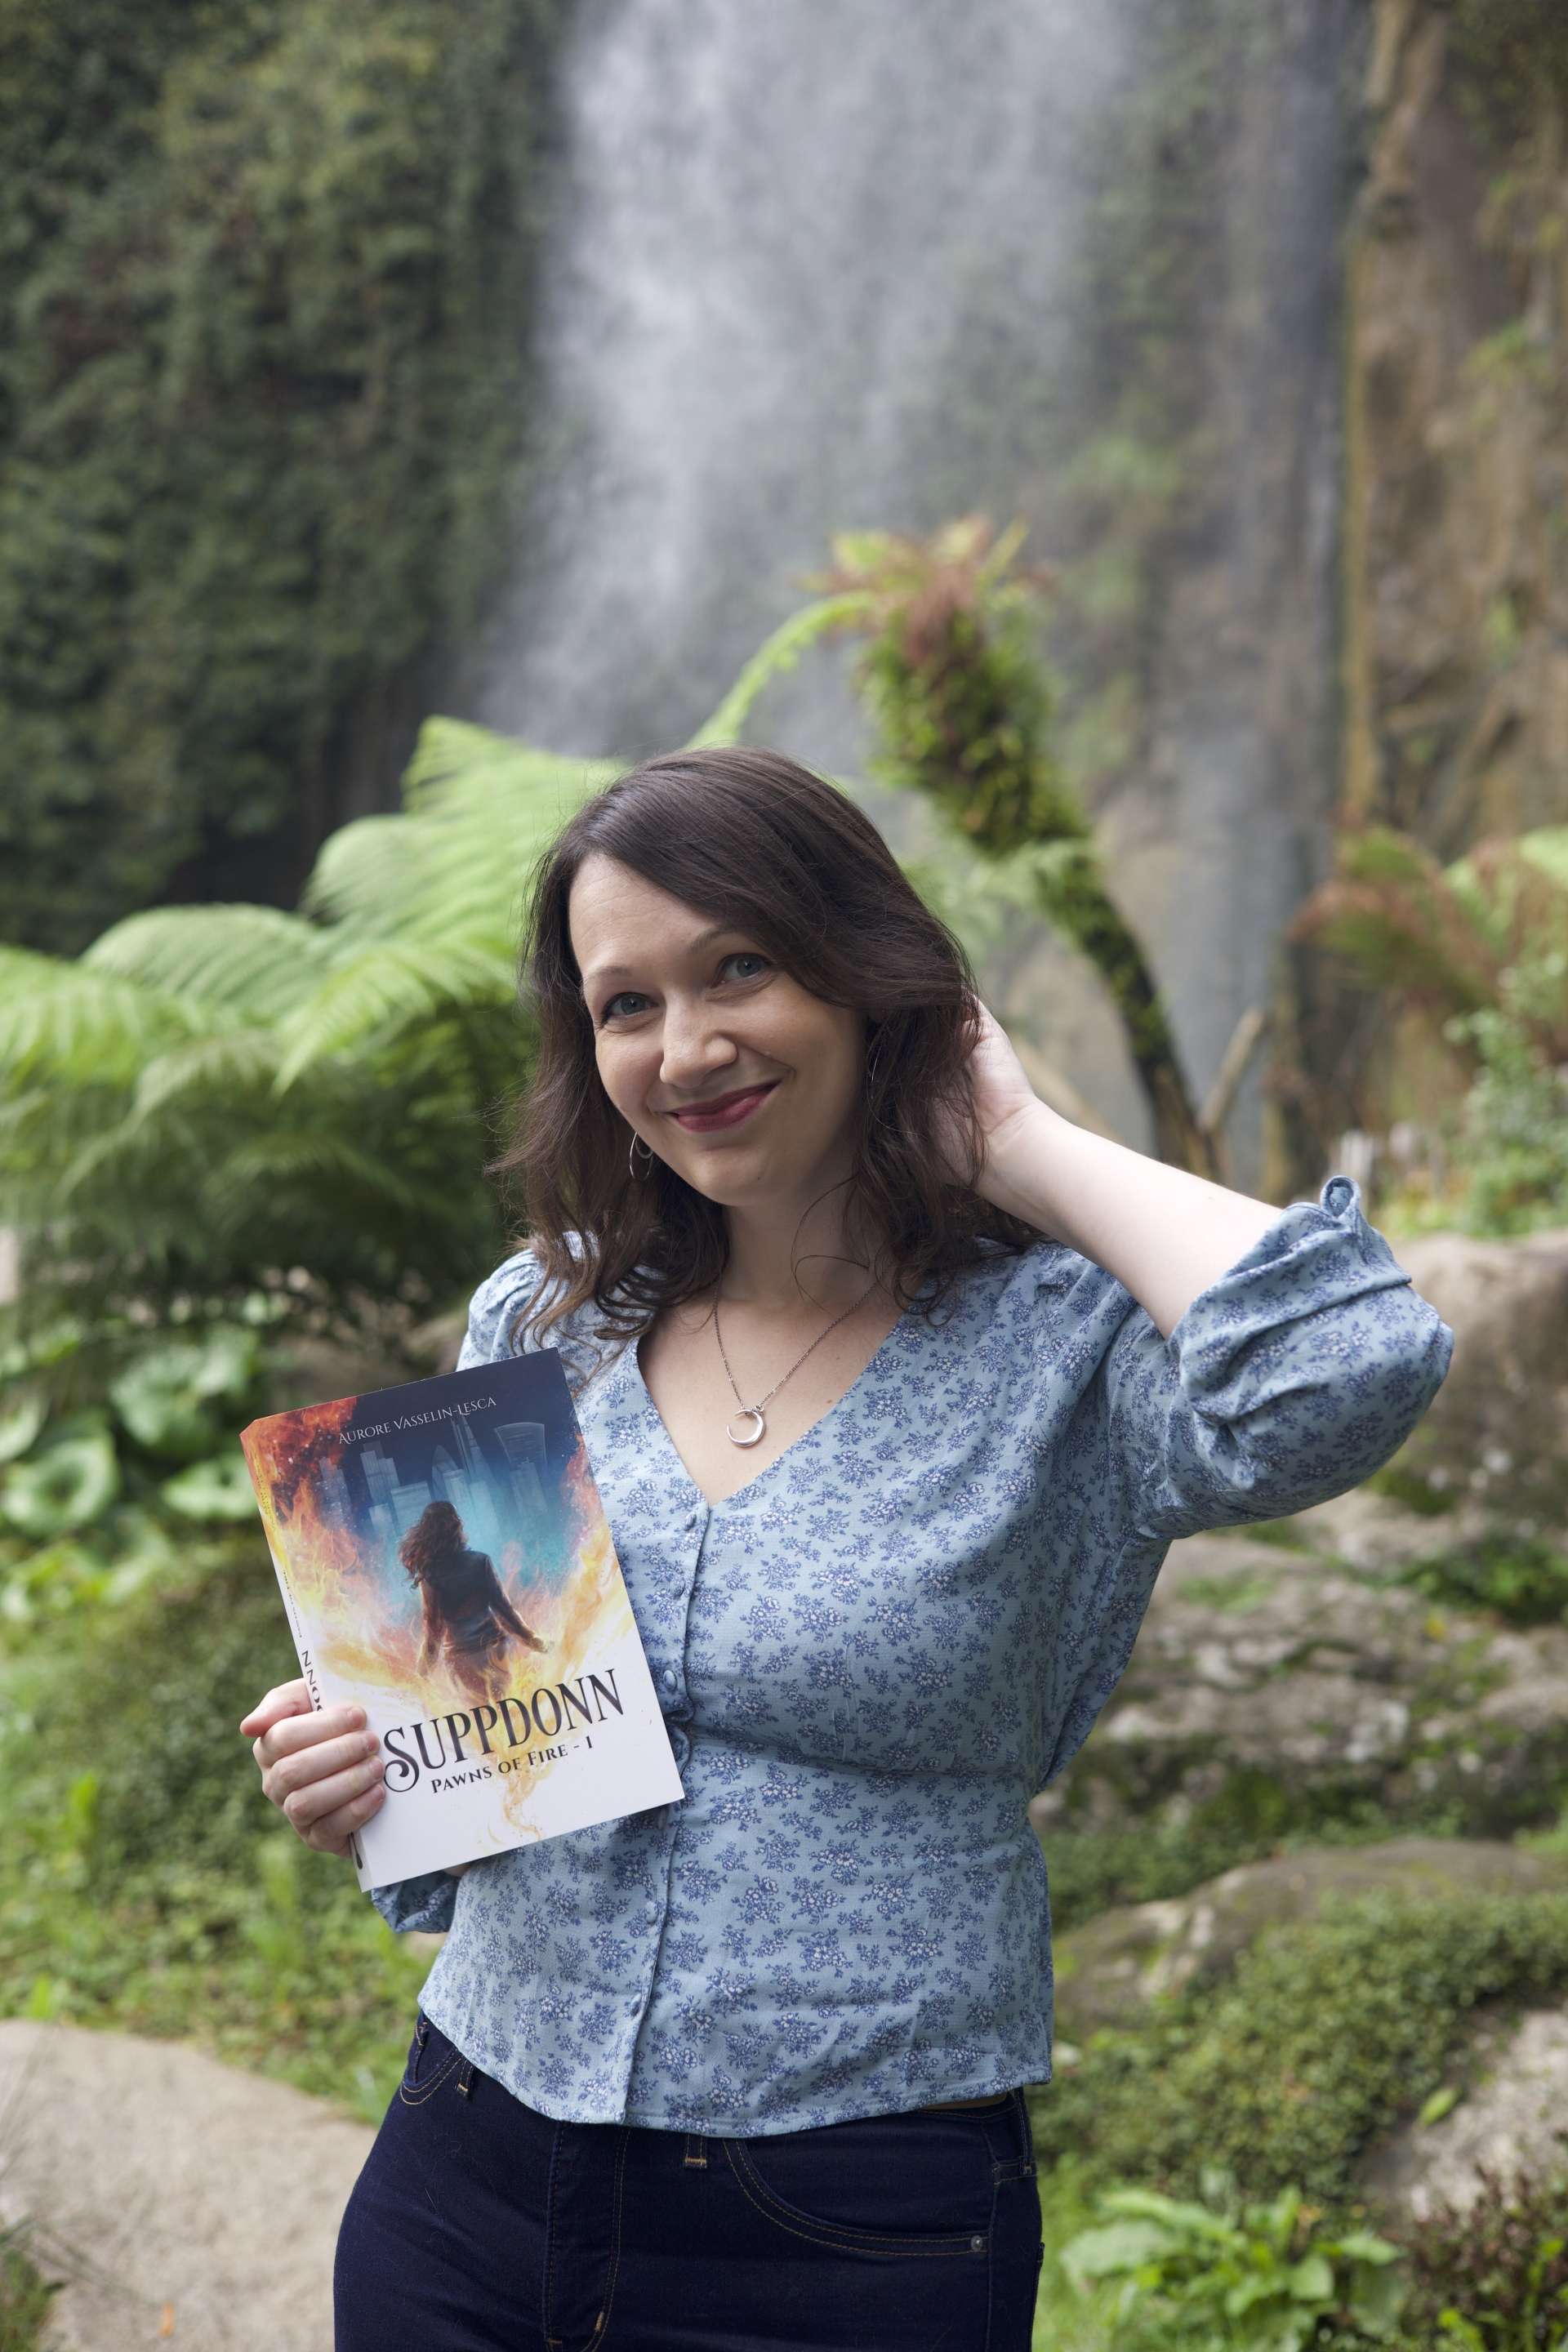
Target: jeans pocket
431, 2058
882, 2185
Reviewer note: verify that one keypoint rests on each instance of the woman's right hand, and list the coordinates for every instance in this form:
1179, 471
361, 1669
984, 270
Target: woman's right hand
322, 1768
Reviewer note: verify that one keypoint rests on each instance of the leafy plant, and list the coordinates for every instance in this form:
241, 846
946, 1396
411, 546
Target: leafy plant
965, 708
1439, 939
1523, 1577
215, 1105
1511, 1147
27, 2296
267, 271
1255, 2275
97, 1500
1492, 2275
1330, 2030
153, 1887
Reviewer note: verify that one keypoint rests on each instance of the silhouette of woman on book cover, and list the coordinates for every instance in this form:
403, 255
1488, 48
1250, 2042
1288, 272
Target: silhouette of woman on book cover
468, 1616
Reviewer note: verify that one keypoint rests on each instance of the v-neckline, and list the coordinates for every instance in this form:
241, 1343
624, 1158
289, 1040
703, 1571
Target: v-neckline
784, 1452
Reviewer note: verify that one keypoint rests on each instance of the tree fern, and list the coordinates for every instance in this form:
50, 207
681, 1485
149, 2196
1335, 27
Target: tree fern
387, 987
217, 1104
71, 1024
254, 960
1439, 939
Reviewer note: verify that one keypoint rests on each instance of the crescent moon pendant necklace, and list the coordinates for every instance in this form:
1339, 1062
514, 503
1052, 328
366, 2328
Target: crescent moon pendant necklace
753, 1412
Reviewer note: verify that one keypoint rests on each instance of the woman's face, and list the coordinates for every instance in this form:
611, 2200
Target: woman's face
687, 1011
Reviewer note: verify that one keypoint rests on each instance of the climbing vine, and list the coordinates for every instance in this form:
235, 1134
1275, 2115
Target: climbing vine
264, 272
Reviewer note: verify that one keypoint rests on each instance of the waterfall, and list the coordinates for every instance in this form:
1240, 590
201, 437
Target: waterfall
813, 267
803, 249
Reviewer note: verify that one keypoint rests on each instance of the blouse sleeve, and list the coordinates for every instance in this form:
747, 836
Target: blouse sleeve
428, 1903
494, 1308
1295, 1375
425, 1904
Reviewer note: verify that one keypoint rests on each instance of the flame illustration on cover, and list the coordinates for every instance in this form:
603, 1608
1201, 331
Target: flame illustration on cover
446, 1564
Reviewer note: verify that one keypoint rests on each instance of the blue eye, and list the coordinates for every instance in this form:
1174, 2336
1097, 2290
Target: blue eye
736, 955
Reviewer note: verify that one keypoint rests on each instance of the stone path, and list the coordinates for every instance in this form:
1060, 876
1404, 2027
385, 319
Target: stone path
201, 2204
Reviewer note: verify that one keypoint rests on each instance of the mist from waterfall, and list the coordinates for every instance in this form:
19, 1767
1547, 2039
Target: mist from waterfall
812, 272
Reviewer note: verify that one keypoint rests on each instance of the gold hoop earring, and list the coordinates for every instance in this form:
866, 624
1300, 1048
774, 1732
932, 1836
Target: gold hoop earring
632, 1169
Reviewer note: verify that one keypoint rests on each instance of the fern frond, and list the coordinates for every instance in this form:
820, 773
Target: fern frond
251, 960
451, 751
327, 1167
776, 654
480, 810
395, 984
242, 1060
70, 1023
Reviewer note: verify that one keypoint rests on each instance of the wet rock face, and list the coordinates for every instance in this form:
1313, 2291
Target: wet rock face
1291, 1664
1459, 583
1109, 1970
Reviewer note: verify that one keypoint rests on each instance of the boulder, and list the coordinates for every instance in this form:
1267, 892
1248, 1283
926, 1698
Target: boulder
1255, 1659
1495, 1434
178, 2197
1511, 2119
1109, 1970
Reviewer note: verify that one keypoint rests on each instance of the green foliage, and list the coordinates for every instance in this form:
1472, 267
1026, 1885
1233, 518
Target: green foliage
223, 1105
1451, 941
954, 681
965, 706
1523, 1577
1330, 2030
98, 1498
1492, 2275
26, 2298
1479, 949
1256, 2276
1253, 1815
1510, 1149
1508, 58
265, 270
145, 1881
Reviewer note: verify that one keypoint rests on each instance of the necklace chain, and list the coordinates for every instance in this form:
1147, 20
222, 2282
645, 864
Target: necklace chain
754, 1411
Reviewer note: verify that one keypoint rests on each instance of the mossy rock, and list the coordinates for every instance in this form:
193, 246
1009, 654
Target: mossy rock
1273, 1690
1331, 2030
1495, 1434
1110, 1970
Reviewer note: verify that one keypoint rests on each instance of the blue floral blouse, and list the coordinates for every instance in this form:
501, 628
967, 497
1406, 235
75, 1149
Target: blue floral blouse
872, 1657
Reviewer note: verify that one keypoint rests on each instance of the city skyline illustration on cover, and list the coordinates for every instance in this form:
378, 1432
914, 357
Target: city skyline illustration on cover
446, 1564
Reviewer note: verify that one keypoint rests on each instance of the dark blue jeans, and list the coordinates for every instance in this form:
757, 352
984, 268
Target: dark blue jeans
480, 2225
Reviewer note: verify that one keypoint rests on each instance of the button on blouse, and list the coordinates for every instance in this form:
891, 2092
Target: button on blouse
875, 1653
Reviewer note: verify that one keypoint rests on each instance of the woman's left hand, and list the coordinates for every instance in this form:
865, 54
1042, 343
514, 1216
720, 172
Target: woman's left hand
1002, 1093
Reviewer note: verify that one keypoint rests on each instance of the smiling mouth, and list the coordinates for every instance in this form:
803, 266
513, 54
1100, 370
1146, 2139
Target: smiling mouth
724, 1111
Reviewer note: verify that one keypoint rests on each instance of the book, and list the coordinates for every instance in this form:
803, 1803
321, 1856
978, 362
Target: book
447, 1565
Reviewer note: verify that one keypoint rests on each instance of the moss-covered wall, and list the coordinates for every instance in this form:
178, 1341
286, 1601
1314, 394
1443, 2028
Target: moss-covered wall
1457, 399
264, 282
1455, 609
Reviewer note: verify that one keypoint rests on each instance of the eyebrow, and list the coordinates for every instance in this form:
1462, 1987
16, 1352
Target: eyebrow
601, 973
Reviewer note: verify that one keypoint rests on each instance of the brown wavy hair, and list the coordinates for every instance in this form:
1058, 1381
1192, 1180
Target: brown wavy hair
753, 838
434, 1544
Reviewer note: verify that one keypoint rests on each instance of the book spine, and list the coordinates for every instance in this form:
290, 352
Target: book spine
312, 1682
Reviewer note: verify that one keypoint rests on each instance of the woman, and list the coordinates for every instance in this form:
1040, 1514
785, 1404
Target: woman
467, 1618
895, 1387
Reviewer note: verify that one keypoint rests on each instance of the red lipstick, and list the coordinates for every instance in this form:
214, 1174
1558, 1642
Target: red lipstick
723, 1110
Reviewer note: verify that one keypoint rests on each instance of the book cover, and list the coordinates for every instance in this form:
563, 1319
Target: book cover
446, 1564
